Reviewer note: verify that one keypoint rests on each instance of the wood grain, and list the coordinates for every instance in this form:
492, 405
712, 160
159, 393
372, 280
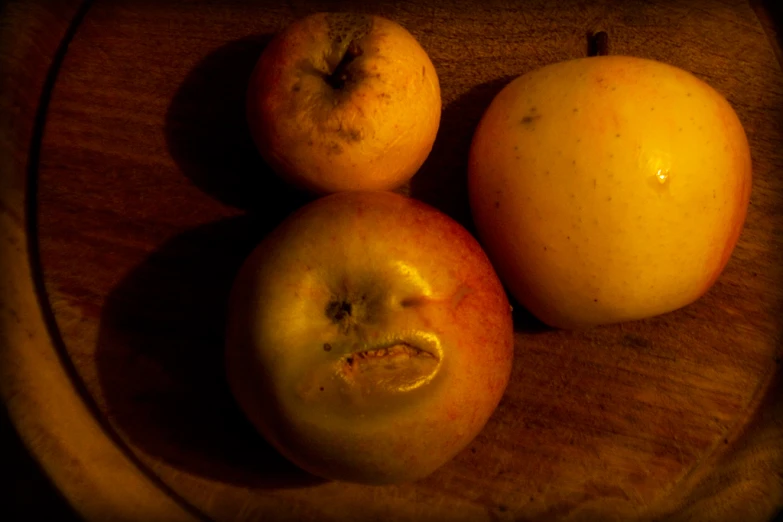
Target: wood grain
41, 397
150, 194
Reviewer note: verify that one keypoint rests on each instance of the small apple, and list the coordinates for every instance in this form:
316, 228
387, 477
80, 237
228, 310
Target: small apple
609, 188
369, 338
343, 101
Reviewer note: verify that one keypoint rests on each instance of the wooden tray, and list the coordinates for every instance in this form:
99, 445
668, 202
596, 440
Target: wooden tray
130, 193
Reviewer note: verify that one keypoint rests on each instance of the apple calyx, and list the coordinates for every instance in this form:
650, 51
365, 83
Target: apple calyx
340, 76
348, 314
339, 311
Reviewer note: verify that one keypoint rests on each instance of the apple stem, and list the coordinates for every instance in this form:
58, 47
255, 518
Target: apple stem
339, 76
598, 44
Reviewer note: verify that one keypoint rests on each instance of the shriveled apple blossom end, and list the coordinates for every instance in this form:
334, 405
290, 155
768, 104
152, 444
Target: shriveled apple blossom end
339, 310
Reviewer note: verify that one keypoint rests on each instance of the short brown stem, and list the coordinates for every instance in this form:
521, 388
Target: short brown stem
598, 44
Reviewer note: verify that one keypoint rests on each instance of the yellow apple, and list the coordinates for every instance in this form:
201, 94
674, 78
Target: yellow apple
609, 188
343, 101
369, 338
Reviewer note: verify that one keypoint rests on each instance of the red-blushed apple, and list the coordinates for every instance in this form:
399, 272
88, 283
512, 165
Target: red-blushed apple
609, 188
342, 101
369, 338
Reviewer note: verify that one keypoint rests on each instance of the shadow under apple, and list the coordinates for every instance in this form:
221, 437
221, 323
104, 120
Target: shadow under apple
442, 180
208, 136
160, 346
160, 360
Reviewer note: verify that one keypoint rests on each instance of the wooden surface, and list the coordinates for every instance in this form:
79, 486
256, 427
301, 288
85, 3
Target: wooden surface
149, 195
42, 398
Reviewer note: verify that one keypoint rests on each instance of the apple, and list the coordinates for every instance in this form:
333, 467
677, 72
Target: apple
608, 188
341, 101
369, 338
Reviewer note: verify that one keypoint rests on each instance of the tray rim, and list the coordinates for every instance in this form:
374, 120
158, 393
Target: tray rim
52, 416
77, 461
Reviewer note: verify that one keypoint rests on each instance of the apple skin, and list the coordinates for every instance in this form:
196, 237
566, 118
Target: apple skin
373, 132
608, 189
358, 271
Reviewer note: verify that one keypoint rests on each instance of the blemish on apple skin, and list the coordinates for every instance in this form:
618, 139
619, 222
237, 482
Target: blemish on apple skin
462, 292
410, 302
351, 134
327, 347
530, 119
497, 204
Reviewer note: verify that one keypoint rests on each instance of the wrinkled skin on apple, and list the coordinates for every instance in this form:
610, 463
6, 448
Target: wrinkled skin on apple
369, 338
342, 101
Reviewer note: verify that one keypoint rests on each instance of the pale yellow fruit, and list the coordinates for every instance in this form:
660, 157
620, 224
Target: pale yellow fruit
610, 188
369, 338
344, 102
